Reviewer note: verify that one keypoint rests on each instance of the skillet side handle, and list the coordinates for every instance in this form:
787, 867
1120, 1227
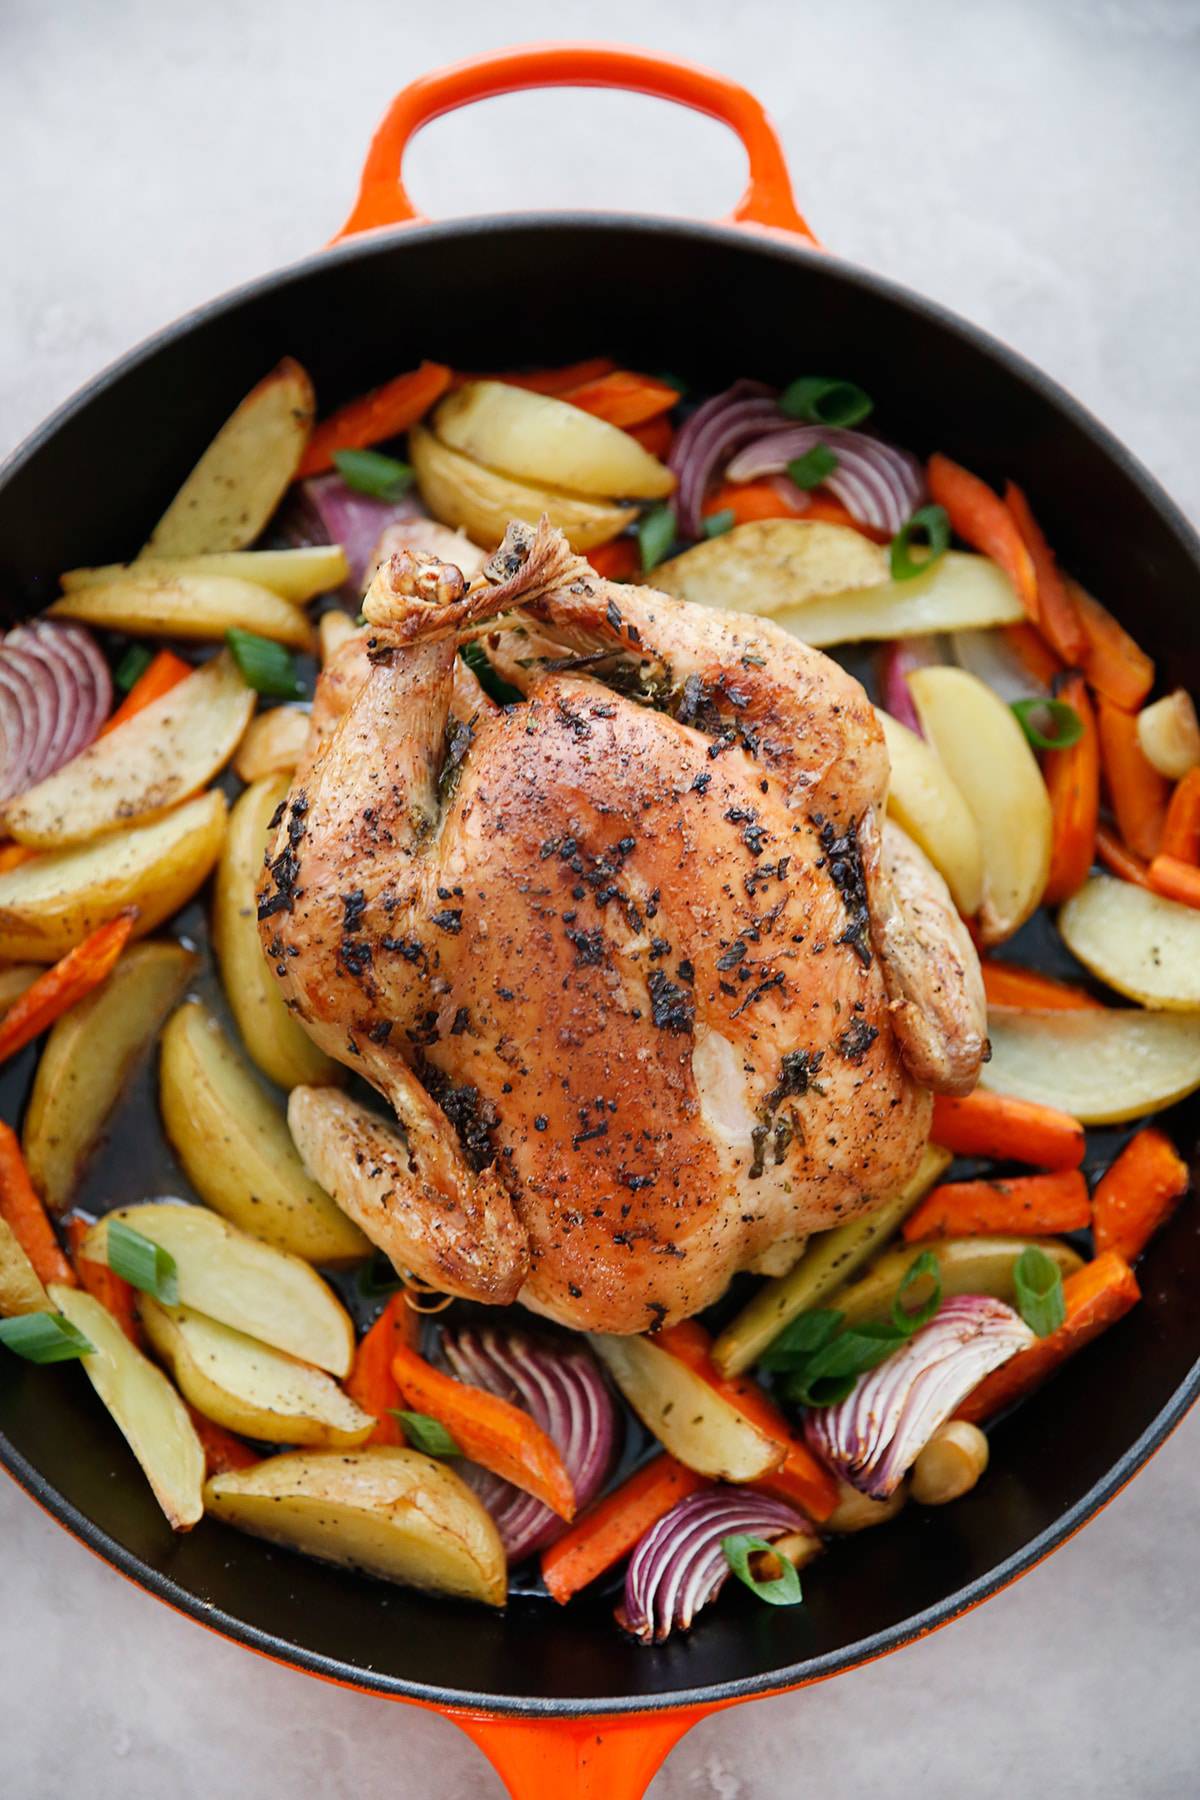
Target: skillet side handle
767, 203
578, 1759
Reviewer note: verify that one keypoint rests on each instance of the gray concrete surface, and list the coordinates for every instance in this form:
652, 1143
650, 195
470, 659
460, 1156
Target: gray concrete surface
1033, 163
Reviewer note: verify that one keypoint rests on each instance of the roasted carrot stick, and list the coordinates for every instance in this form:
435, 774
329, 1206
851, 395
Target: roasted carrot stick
616, 561
1119, 859
1114, 664
996, 1125
1096, 1297
800, 1477
1027, 1206
748, 500
612, 1527
1138, 1193
222, 1450
623, 397
656, 436
1175, 880
489, 1430
158, 678
767, 499
75, 975
26, 1216
1007, 984
1137, 791
1034, 653
1073, 783
1058, 620
371, 1381
383, 413
1181, 831
981, 519
555, 381
13, 855
110, 1289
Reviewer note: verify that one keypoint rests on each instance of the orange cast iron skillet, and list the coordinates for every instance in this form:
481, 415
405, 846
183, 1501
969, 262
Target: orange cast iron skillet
558, 1698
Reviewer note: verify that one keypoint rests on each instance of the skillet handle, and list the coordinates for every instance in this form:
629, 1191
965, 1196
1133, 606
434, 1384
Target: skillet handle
383, 200
578, 1759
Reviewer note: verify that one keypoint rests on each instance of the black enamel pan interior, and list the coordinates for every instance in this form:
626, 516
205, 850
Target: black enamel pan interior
711, 303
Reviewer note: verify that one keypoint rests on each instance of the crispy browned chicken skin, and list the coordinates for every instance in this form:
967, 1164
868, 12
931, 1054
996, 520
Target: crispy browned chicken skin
650, 990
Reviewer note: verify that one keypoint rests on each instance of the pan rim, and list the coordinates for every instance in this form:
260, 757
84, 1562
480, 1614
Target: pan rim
771, 247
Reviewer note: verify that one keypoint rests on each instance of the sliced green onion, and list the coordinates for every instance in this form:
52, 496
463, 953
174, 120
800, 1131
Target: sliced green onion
831, 1373
268, 667
718, 523
655, 535
426, 1434
925, 1267
1039, 1289
141, 1263
369, 472
1066, 726
822, 401
675, 381
42, 1337
784, 1590
806, 1334
934, 521
811, 469
132, 666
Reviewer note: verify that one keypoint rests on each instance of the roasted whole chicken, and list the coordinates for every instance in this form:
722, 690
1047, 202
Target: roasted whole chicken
649, 983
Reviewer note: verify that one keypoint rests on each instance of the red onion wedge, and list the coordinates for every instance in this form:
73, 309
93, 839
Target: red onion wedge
329, 512
878, 485
873, 1436
563, 1390
712, 434
897, 660
679, 1566
55, 693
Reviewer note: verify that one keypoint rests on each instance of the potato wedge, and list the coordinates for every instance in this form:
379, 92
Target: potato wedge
296, 575
21, 1289
770, 565
924, 802
548, 442
240, 480
333, 629
987, 756
186, 606
1139, 943
961, 592
247, 1386
273, 743
164, 754
87, 1060
276, 1042
50, 904
150, 1414
241, 1282
827, 1264
13, 982
1102, 1065
392, 1513
235, 1147
481, 502
981, 1265
688, 1417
